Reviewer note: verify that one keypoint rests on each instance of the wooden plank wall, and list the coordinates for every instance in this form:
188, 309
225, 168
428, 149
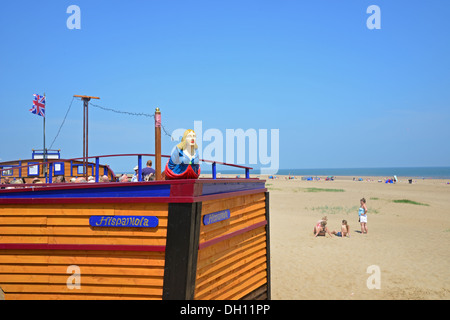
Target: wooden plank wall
67, 166
90, 170
236, 266
43, 274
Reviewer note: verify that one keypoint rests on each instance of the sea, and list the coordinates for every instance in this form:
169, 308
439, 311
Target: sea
411, 172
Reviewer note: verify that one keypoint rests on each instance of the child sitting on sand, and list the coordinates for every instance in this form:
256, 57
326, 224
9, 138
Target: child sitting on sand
321, 229
320, 221
345, 230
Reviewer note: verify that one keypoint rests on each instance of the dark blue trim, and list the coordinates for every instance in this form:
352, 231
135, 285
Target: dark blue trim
41, 153
214, 171
224, 187
159, 190
168, 191
50, 172
139, 168
97, 169
78, 165
59, 172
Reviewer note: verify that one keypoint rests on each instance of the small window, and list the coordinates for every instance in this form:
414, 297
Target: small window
33, 170
8, 171
58, 168
80, 169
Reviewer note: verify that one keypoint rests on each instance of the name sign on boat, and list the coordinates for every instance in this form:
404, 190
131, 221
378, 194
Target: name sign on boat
124, 221
216, 217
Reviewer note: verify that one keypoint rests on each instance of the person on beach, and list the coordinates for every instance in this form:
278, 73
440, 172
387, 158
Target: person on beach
323, 219
135, 175
321, 229
59, 179
345, 230
6, 180
148, 173
363, 215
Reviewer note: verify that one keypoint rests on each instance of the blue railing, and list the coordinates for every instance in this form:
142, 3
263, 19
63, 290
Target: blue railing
50, 163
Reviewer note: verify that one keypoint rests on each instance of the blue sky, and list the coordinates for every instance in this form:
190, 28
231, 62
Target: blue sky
340, 94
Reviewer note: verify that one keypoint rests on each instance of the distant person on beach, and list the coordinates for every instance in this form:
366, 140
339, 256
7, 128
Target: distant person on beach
363, 215
345, 230
148, 173
59, 179
320, 221
17, 181
135, 175
321, 229
6, 180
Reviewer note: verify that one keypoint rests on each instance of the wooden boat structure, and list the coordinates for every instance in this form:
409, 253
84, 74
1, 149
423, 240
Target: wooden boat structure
204, 239
37, 169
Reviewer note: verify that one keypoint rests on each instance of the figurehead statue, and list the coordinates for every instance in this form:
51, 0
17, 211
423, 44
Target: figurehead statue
184, 160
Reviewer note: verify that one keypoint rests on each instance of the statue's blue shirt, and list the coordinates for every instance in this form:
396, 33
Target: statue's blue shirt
179, 161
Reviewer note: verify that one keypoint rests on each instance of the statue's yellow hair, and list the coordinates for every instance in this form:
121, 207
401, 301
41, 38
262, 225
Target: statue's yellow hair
182, 145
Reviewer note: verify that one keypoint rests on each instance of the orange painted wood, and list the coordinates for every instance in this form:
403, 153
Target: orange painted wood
252, 284
79, 296
235, 258
230, 243
85, 289
42, 274
234, 225
233, 267
219, 251
125, 270
82, 209
222, 204
239, 213
237, 287
70, 258
116, 280
16, 220
227, 272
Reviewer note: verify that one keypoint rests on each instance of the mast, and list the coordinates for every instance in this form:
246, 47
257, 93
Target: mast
44, 156
86, 100
157, 144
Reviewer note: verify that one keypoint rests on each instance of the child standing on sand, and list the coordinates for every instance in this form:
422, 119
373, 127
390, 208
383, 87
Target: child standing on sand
363, 215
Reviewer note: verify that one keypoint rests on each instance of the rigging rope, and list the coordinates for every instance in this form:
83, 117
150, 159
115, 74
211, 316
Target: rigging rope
131, 114
59, 130
141, 114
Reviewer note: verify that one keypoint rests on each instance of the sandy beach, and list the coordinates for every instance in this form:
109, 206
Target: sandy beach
408, 242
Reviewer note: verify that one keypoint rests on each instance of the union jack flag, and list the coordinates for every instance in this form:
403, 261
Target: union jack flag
38, 105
